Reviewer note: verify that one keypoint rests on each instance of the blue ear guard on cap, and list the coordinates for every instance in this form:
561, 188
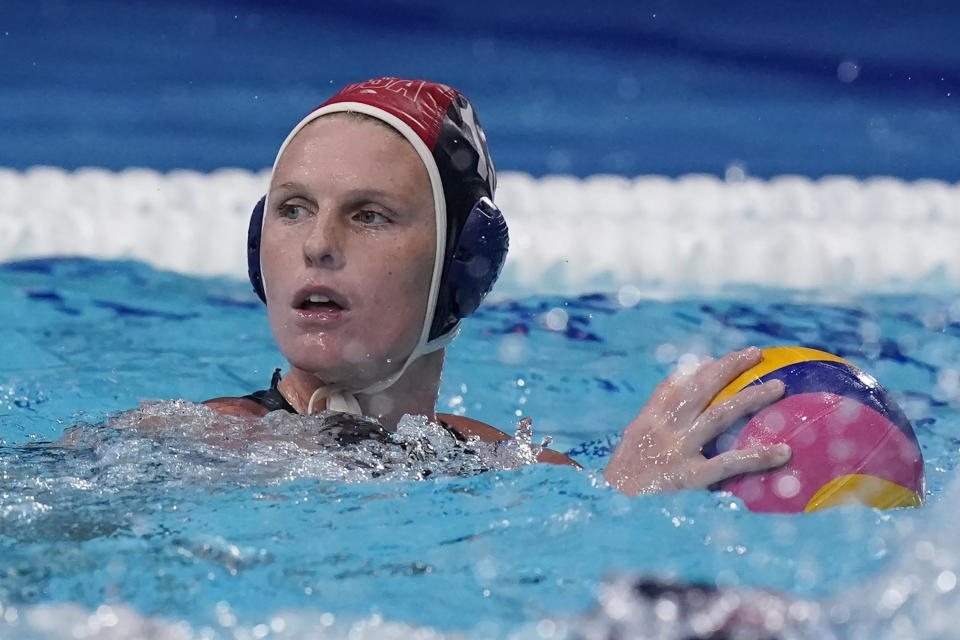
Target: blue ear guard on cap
253, 249
473, 266
471, 270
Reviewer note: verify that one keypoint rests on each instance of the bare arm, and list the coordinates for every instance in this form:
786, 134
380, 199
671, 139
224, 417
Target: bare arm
229, 406
467, 427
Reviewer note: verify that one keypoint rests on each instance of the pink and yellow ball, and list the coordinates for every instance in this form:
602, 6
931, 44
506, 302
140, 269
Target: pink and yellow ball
851, 442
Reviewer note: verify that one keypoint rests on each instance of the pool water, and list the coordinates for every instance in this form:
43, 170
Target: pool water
653, 149
126, 532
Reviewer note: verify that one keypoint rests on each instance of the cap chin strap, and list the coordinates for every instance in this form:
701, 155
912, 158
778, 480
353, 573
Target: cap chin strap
345, 401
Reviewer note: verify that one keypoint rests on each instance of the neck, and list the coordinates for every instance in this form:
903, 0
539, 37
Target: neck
415, 392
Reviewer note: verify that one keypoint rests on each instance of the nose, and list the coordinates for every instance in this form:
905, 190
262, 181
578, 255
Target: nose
323, 245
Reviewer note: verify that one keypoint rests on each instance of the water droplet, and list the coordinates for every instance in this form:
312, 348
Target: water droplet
628, 296
556, 319
848, 70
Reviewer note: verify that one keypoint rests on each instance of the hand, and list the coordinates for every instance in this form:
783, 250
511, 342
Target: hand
660, 450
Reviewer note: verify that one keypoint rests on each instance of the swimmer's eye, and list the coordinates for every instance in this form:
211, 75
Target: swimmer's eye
292, 211
371, 217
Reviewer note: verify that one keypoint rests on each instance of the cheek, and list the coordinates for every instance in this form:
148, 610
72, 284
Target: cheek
405, 280
275, 258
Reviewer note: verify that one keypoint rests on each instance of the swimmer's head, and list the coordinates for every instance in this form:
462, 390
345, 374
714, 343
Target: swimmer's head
471, 236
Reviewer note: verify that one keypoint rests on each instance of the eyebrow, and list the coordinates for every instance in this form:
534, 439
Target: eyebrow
295, 186
354, 194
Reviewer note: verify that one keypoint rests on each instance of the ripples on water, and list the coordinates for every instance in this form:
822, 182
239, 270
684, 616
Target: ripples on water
103, 480
172, 521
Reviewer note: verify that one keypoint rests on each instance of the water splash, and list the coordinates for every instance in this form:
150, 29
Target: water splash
178, 445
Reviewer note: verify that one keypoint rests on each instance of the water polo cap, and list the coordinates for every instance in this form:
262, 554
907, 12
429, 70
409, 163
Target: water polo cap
443, 128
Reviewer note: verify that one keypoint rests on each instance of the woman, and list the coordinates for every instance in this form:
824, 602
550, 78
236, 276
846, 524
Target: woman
378, 234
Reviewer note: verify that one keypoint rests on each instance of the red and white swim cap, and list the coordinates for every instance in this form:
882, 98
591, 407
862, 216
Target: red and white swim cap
441, 125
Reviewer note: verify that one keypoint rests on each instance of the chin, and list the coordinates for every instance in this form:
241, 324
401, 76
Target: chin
329, 373
344, 360
336, 370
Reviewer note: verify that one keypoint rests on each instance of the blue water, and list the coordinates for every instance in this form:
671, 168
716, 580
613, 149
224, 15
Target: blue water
625, 87
179, 531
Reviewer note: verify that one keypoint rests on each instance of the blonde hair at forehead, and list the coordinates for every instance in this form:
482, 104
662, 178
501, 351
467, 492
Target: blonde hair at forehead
361, 117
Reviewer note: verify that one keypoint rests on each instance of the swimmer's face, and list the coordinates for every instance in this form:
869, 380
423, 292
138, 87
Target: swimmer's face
348, 250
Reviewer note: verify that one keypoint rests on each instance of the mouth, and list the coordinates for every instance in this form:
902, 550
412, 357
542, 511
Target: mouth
324, 301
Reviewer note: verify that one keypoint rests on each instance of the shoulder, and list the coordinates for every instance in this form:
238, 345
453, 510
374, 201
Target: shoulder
467, 427
229, 406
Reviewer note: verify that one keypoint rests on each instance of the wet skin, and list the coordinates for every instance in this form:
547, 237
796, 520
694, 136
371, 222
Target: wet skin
661, 447
350, 218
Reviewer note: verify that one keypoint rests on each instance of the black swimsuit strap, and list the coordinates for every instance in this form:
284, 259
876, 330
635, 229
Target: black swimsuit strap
271, 399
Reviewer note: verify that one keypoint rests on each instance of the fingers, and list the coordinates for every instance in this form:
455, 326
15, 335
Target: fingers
662, 393
700, 388
717, 418
733, 463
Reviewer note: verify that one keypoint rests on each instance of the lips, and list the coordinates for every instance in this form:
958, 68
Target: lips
319, 302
